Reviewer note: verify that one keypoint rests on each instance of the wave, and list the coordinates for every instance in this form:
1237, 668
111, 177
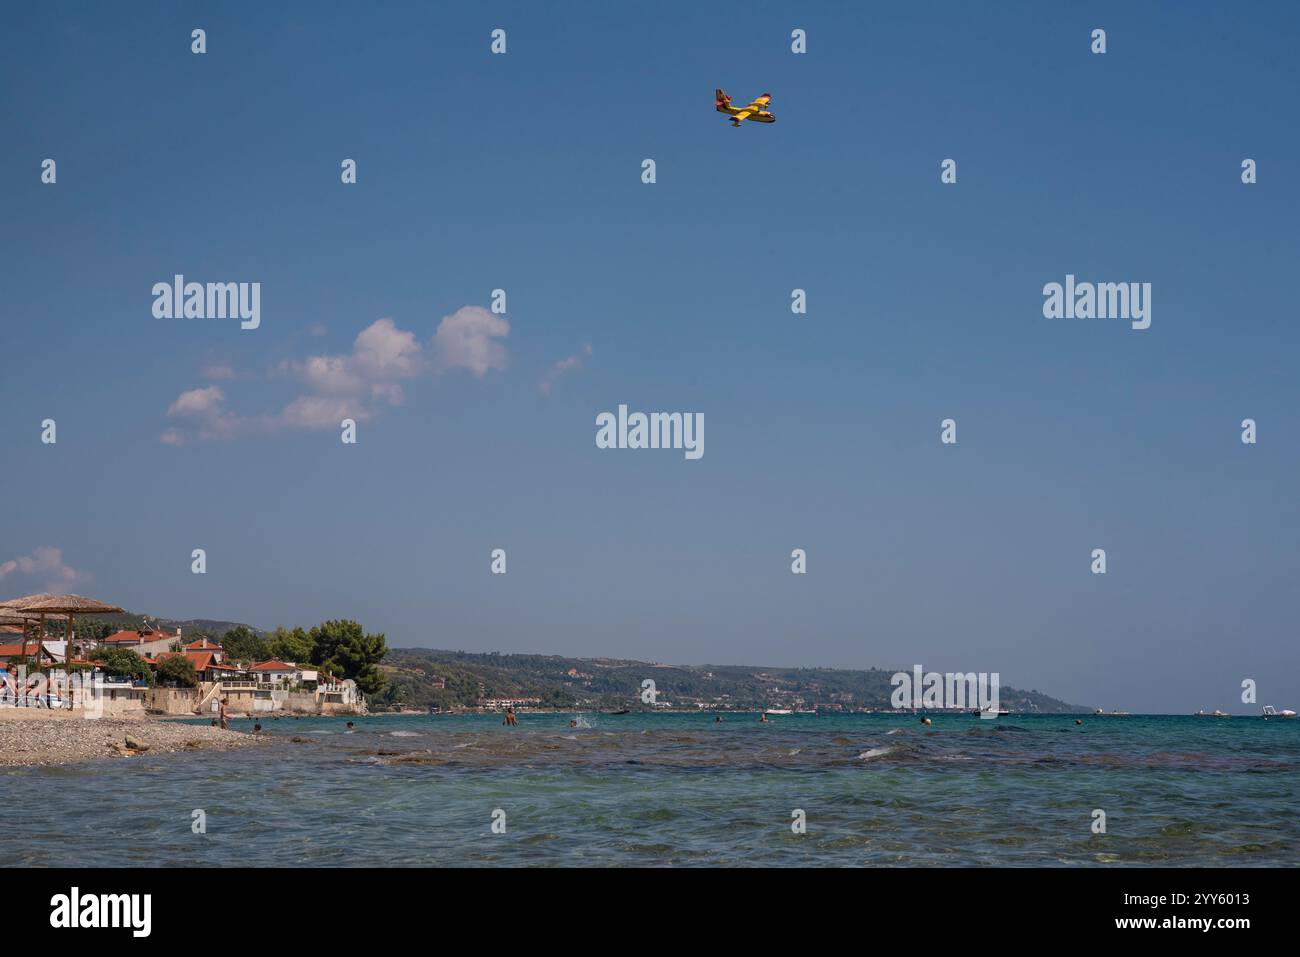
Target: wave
874, 753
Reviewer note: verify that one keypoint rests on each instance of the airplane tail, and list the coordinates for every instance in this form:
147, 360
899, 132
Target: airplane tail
721, 101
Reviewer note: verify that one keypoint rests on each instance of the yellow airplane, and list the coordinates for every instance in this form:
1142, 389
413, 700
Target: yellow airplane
755, 111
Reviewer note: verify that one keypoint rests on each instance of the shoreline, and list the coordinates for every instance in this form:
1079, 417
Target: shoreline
45, 740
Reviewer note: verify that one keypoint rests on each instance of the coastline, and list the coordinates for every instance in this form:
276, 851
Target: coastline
42, 739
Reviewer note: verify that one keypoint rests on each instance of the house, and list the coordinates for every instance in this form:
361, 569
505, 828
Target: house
51, 651
89, 690
203, 644
274, 673
206, 665
508, 702
335, 695
143, 641
113, 695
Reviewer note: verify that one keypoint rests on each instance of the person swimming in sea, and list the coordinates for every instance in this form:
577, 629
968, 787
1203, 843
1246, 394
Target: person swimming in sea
763, 717
510, 720
717, 719
926, 721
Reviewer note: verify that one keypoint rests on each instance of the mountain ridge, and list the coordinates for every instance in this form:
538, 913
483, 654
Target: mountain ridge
428, 677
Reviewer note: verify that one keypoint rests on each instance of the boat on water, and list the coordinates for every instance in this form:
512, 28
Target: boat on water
1272, 712
621, 711
1216, 713
778, 711
1103, 713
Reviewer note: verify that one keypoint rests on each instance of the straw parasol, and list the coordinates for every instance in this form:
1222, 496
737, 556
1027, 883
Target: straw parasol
60, 605
13, 604
38, 606
13, 617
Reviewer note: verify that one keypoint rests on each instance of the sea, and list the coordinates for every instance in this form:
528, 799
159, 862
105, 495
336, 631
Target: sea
682, 790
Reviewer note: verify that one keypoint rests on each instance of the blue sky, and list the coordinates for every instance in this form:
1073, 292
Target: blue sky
522, 172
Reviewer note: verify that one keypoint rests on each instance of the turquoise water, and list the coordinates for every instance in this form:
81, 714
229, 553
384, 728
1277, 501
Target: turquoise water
682, 790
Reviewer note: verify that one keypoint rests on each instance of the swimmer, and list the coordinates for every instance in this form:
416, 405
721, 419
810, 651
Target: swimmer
717, 719
926, 721
351, 725
1078, 721
257, 729
763, 717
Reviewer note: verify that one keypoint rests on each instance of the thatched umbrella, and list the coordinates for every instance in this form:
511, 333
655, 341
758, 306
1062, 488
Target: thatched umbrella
11, 616
70, 605
15, 619
12, 603
15, 604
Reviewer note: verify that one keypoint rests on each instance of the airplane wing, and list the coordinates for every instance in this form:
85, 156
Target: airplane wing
741, 115
761, 102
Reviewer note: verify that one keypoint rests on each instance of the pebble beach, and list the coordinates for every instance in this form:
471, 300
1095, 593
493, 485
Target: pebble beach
36, 738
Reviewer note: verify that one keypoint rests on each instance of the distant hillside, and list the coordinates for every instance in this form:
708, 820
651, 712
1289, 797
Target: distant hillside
190, 627
606, 683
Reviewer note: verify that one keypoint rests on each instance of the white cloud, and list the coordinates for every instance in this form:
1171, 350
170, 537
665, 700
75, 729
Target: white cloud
352, 385
563, 366
381, 355
196, 402
467, 339
202, 415
318, 412
331, 374
382, 351
46, 563
218, 370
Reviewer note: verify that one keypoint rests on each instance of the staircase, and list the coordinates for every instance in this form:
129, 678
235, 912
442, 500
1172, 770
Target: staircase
208, 696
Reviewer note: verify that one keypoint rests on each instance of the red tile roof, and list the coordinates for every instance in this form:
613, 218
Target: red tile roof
202, 644
13, 651
272, 665
201, 660
134, 636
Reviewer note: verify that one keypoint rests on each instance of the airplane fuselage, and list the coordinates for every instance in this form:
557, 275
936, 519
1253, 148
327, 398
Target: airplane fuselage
761, 116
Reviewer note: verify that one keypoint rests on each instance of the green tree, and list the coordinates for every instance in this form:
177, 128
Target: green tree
241, 644
121, 661
295, 645
178, 669
91, 629
342, 648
